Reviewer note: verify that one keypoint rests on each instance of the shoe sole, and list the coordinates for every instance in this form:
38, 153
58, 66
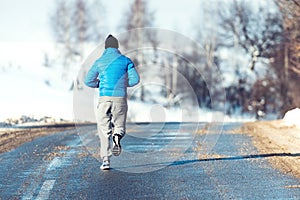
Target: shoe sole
104, 167
116, 151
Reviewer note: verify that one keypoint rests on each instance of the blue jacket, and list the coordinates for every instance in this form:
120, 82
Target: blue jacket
112, 73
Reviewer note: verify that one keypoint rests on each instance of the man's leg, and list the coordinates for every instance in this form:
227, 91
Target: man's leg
119, 115
119, 112
104, 128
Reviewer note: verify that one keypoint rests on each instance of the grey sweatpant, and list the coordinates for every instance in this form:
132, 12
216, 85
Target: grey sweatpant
111, 119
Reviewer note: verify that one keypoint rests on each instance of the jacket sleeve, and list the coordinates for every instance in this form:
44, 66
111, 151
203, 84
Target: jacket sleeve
133, 76
91, 79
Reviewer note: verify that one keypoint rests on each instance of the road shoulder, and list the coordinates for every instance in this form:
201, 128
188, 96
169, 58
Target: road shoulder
278, 142
11, 138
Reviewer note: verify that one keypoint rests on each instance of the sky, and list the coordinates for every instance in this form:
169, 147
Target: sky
24, 20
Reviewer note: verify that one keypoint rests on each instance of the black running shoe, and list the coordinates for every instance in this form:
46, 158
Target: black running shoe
116, 150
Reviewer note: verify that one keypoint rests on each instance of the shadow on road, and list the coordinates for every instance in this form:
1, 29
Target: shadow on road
237, 158
183, 162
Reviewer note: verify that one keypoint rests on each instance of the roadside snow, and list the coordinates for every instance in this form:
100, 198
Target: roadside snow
24, 92
31, 121
292, 118
147, 112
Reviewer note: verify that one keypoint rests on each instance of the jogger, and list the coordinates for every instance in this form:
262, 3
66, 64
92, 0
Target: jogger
112, 73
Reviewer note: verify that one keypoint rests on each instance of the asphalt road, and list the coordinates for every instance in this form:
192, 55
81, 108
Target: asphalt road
158, 162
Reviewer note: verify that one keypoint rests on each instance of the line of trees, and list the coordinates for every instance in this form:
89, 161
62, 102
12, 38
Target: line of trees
255, 31
287, 60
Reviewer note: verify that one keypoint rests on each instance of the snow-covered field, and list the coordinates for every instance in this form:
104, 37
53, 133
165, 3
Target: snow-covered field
23, 92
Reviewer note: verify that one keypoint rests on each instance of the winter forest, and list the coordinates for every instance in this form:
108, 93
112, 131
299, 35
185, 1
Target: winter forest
247, 50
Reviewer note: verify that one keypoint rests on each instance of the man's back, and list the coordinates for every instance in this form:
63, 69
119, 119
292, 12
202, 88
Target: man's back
115, 71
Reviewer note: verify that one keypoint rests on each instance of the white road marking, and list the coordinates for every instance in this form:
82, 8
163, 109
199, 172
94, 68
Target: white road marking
45, 190
49, 168
33, 184
55, 163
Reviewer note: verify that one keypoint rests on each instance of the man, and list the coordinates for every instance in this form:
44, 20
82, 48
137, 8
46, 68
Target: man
112, 73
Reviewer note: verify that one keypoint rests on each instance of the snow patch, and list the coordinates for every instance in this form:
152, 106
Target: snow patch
292, 118
25, 93
149, 112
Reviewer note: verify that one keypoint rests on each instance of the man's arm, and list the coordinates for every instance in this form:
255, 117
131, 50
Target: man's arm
133, 76
91, 79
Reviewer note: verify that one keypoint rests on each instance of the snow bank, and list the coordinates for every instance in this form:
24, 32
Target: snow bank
23, 92
292, 118
149, 112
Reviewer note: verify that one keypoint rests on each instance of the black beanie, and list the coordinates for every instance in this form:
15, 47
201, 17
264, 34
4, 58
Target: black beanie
111, 41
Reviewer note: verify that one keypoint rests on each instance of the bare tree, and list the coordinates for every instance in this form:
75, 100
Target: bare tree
291, 22
207, 83
257, 30
170, 69
61, 28
80, 29
74, 24
258, 33
138, 17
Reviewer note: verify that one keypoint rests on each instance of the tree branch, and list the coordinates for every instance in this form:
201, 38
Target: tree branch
296, 70
296, 2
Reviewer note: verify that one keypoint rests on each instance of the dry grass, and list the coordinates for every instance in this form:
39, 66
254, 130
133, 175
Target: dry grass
12, 138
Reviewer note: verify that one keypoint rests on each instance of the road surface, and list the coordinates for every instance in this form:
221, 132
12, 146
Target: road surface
158, 162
